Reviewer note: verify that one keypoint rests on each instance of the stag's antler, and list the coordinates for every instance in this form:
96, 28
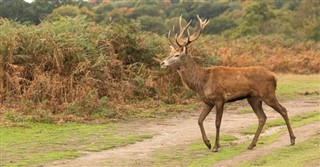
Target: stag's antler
192, 38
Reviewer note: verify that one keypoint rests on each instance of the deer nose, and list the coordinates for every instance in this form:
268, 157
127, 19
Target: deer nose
163, 65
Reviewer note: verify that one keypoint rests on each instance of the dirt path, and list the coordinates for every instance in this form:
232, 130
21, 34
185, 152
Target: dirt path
305, 132
184, 129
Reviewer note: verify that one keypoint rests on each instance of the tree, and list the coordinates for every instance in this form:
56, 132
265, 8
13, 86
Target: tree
107, 7
42, 8
218, 25
210, 10
187, 9
102, 11
315, 32
71, 11
16, 10
257, 14
153, 24
149, 10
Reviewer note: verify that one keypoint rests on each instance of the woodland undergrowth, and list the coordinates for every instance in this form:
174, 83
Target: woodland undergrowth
75, 70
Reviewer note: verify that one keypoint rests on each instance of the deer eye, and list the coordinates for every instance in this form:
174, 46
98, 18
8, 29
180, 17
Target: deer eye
177, 55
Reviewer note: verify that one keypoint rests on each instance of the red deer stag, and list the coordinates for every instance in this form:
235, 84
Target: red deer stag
219, 85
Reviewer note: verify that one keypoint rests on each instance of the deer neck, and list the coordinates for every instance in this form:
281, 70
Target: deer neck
192, 75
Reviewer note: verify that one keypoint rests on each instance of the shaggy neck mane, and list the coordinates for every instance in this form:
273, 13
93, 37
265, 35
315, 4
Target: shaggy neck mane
192, 75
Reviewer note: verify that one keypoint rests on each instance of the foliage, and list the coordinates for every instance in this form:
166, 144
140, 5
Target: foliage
219, 25
315, 32
293, 19
273, 52
74, 67
8, 9
146, 10
70, 65
71, 11
88, 60
102, 12
257, 14
35, 12
153, 24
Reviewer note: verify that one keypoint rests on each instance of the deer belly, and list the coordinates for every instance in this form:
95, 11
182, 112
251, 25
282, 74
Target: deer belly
236, 98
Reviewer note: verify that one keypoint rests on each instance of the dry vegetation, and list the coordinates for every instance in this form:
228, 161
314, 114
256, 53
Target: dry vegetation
73, 70
274, 52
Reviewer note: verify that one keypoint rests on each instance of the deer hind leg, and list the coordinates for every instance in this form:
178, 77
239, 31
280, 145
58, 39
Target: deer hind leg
219, 112
256, 105
273, 102
202, 117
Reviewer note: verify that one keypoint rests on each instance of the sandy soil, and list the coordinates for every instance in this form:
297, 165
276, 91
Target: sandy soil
184, 129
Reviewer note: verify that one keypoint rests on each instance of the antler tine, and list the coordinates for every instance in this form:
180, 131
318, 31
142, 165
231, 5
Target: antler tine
188, 35
182, 30
180, 23
202, 24
169, 36
191, 38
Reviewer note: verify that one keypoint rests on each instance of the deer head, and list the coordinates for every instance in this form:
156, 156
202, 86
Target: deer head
179, 50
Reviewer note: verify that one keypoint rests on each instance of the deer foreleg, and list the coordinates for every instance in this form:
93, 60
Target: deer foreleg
203, 116
219, 112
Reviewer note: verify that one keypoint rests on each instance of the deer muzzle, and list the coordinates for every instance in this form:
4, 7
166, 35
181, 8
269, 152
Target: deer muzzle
164, 64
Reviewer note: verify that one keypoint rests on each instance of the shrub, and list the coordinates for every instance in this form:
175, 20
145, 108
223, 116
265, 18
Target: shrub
55, 66
71, 69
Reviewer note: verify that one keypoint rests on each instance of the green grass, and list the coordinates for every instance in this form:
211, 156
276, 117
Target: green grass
292, 86
32, 144
301, 154
295, 121
245, 110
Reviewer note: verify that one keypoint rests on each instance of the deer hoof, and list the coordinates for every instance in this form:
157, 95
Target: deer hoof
215, 150
250, 147
208, 144
292, 141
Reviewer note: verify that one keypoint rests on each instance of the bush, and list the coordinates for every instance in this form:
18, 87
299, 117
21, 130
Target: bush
71, 69
132, 45
55, 66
